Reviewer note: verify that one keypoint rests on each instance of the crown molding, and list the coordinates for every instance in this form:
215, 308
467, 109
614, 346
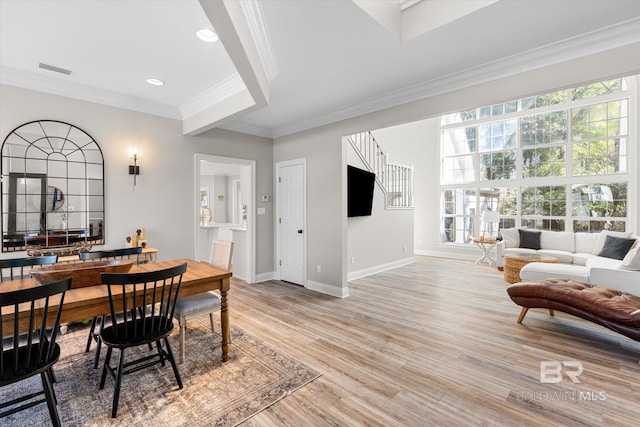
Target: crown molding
580, 46
252, 10
60, 86
227, 88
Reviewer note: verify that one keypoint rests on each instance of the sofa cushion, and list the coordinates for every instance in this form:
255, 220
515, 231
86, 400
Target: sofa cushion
558, 240
631, 261
597, 248
616, 247
529, 239
545, 270
603, 262
510, 237
563, 256
585, 242
581, 258
512, 251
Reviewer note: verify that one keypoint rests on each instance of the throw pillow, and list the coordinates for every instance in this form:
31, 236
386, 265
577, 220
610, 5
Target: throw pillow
529, 239
616, 247
597, 247
510, 237
631, 261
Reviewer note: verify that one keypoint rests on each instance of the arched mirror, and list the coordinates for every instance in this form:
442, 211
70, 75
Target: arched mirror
52, 186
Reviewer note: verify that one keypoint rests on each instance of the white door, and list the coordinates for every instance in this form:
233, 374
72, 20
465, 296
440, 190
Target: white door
291, 221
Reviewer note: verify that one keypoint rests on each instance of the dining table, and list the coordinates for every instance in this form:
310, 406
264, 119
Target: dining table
91, 301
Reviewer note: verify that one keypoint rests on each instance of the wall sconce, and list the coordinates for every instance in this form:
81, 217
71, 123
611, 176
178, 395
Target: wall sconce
134, 169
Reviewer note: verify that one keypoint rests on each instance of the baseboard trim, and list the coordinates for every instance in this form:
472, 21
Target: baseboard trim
326, 289
378, 268
264, 277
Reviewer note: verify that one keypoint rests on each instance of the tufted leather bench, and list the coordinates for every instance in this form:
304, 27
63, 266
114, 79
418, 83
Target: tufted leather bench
615, 310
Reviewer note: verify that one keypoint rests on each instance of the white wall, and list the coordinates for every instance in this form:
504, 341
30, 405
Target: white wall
381, 241
163, 199
326, 160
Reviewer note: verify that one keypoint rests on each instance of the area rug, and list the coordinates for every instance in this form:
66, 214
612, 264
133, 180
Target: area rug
214, 394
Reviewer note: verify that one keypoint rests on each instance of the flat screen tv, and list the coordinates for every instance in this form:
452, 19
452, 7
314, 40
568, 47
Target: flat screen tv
359, 191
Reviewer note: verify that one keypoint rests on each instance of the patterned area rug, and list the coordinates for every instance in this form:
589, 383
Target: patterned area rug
214, 393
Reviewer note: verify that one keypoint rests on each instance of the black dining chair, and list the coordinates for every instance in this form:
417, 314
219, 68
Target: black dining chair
18, 268
124, 253
147, 301
29, 346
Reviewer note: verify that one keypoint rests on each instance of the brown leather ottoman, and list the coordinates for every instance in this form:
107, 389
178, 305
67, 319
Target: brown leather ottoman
615, 310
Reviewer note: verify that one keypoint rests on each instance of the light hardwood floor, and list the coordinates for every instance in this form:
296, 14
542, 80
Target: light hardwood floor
436, 343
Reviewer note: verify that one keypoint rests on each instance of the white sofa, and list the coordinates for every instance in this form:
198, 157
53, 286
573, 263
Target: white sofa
578, 258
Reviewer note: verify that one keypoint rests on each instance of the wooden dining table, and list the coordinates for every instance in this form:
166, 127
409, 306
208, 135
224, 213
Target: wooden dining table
90, 301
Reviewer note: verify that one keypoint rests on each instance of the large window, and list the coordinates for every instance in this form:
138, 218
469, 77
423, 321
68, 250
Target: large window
555, 161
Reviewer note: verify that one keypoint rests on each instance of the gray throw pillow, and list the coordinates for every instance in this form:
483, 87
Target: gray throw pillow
529, 239
616, 247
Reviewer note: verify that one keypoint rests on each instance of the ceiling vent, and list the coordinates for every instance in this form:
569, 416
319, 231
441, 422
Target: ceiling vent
54, 68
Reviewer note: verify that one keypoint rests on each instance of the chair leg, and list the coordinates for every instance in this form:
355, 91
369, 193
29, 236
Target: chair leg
96, 357
107, 359
213, 329
173, 363
91, 329
183, 332
50, 396
116, 389
551, 313
522, 314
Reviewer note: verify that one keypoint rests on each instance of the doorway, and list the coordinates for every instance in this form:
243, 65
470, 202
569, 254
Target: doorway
291, 221
224, 205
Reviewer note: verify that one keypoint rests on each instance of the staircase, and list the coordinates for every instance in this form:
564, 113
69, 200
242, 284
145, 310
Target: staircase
395, 180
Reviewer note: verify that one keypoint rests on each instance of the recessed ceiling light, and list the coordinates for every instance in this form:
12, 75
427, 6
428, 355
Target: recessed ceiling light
155, 82
207, 35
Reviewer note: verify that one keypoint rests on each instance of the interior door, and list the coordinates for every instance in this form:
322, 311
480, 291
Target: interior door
291, 222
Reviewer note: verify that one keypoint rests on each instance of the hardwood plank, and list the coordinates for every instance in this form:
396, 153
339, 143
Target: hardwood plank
436, 343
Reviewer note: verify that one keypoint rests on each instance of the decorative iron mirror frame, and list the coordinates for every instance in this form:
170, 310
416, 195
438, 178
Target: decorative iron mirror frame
41, 154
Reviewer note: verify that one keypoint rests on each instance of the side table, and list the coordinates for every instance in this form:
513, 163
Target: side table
485, 246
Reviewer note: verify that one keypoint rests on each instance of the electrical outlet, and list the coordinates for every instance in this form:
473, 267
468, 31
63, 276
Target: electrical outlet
319, 268
353, 260
404, 249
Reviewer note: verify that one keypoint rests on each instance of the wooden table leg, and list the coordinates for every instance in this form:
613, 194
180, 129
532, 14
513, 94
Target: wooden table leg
224, 319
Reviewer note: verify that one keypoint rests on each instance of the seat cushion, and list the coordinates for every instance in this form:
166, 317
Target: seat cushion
563, 256
545, 270
197, 303
581, 258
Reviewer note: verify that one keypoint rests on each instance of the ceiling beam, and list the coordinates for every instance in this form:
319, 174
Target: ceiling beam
233, 28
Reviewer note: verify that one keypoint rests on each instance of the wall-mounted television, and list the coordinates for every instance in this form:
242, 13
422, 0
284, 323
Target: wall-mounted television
360, 185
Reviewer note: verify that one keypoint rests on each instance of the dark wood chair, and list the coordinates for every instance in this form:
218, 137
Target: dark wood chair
18, 268
34, 352
124, 253
147, 319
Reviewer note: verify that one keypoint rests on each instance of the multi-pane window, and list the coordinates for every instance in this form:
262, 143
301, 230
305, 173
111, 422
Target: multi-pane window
540, 156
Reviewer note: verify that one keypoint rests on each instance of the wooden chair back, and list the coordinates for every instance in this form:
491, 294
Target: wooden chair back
123, 253
18, 268
221, 254
149, 315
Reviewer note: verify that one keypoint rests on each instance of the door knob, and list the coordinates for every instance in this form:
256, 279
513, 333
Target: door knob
299, 231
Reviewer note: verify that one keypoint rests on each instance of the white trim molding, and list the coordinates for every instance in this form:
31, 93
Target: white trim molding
227, 88
324, 288
379, 268
252, 10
